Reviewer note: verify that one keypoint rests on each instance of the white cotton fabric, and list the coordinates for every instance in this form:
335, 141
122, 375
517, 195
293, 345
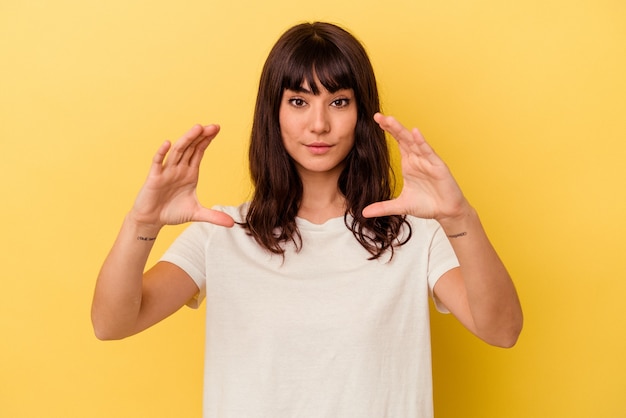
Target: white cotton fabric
323, 333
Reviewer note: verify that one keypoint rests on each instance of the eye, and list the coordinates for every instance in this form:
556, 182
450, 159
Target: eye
297, 102
344, 102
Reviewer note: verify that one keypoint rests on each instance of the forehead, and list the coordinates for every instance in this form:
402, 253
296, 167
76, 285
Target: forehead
317, 63
315, 78
319, 88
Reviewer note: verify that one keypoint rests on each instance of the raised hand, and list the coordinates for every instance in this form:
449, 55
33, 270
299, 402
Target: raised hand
429, 190
168, 197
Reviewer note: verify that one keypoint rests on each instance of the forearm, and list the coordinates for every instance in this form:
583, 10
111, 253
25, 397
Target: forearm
118, 293
491, 295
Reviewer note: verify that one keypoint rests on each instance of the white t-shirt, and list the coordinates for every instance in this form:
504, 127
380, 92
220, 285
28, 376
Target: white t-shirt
323, 333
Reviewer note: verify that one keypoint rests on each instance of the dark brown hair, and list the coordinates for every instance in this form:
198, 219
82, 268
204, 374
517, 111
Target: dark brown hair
340, 62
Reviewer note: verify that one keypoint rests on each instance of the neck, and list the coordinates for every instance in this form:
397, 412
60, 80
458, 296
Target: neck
321, 198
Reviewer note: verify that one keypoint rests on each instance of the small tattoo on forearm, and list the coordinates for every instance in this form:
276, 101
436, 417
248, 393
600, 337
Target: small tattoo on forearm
461, 234
145, 238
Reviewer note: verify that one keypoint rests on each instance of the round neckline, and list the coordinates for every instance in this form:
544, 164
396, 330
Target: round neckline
331, 222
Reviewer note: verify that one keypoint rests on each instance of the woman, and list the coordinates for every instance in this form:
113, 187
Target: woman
317, 289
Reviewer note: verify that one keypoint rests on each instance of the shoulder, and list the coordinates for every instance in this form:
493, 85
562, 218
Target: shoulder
423, 228
427, 237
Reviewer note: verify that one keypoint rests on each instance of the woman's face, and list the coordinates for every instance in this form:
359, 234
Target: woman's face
318, 130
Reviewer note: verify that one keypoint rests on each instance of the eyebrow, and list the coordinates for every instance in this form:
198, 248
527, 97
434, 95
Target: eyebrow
309, 91
301, 90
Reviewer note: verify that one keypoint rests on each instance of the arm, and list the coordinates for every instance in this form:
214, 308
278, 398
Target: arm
126, 300
480, 293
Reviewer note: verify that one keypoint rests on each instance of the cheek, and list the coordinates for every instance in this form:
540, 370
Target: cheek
286, 123
351, 125
281, 119
286, 133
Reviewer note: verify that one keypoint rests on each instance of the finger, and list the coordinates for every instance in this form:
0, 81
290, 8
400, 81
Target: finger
398, 131
179, 148
389, 124
159, 157
409, 141
420, 141
200, 143
215, 217
384, 208
210, 132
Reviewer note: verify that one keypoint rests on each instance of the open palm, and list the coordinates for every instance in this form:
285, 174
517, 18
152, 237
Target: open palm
168, 197
429, 189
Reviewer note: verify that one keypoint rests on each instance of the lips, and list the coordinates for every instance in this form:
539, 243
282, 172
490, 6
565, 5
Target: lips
319, 148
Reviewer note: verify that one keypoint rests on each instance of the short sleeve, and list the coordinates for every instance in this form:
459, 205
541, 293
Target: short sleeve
188, 252
441, 259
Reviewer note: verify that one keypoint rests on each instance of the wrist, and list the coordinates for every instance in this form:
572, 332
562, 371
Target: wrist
458, 225
144, 231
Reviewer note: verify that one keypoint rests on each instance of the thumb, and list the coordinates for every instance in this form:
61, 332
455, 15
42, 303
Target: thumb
384, 208
215, 217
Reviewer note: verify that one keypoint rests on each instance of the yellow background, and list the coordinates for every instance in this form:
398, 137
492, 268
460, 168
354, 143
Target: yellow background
525, 101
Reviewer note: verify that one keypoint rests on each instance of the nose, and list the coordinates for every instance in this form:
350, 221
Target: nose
319, 122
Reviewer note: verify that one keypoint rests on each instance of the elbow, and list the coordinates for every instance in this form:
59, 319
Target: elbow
506, 342
503, 331
507, 337
103, 330
104, 335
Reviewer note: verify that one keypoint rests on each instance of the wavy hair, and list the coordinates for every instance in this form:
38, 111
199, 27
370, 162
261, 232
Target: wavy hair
339, 61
